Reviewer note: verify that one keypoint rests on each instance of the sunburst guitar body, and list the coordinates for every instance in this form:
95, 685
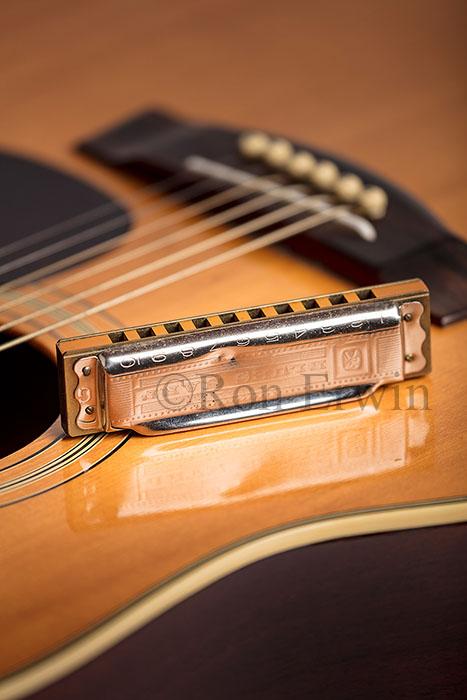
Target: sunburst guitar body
318, 553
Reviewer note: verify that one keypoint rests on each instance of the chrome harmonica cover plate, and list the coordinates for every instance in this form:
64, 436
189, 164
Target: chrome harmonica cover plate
246, 363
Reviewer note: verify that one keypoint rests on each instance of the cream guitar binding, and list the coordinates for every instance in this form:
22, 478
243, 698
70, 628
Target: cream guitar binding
245, 363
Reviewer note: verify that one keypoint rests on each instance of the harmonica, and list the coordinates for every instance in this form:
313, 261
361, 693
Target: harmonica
246, 363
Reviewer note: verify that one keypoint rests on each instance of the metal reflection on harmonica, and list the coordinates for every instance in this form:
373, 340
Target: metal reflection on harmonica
245, 363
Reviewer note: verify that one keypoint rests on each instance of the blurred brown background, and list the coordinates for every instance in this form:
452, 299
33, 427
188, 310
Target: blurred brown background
382, 82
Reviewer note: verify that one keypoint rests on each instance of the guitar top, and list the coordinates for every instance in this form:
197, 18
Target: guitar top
153, 547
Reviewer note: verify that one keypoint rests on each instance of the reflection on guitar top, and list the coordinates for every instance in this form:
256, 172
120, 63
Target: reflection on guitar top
340, 443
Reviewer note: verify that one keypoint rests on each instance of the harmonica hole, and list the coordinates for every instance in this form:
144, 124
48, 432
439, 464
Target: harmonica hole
201, 322
365, 294
310, 303
337, 299
228, 318
117, 336
145, 332
173, 327
283, 308
256, 313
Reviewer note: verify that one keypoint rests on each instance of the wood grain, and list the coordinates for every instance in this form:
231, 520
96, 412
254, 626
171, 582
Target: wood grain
382, 86
351, 618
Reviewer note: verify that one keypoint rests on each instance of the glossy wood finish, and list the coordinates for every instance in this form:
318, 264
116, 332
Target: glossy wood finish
81, 550
339, 620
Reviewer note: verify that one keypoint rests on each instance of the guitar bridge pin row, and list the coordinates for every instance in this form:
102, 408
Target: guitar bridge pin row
323, 175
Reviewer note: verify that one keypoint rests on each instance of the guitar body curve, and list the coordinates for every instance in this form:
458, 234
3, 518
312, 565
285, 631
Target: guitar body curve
164, 567
342, 619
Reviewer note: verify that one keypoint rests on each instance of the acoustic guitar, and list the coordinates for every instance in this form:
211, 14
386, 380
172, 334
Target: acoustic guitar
306, 553
238, 559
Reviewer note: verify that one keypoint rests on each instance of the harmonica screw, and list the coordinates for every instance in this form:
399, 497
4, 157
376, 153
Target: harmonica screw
86, 371
408, 317
409, 357
89, 410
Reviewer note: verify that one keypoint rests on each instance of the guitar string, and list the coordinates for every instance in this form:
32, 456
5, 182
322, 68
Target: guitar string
231, 214
78, 237
160, 187
251, 205
161, 243
5, 289
136, 233
80, 256
86, 216
243, 249
198, 208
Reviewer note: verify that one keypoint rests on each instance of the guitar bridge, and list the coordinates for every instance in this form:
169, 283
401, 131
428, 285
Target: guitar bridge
246, 363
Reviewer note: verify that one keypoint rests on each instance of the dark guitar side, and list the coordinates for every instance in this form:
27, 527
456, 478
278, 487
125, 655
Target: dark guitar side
375, 617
